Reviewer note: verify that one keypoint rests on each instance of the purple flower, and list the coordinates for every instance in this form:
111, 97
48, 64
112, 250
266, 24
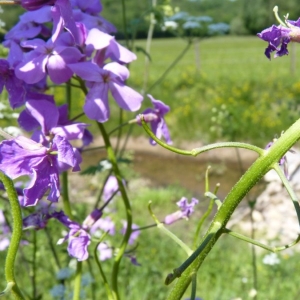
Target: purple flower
92, 218
186, 209
35, 4
134, 234
47, 57
40, 218
4, 231
104, 225
22, 156
278, 37
155, 116
53, 120
110, 188
14, 86
105, 252
78, 239
110, 78
283, 160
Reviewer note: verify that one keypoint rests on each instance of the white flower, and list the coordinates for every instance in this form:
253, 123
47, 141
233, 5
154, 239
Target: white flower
271, 259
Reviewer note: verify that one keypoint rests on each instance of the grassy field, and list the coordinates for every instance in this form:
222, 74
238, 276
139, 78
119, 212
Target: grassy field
235, 94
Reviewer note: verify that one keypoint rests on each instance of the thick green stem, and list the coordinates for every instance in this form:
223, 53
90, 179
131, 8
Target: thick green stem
15, 238
77, 281
258, 169
112, 158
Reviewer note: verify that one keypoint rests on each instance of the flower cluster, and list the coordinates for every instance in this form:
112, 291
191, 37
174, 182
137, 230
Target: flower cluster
67, 43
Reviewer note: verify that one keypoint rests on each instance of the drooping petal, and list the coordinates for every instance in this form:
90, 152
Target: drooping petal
45, 112
96, 106
126, 97
87, 71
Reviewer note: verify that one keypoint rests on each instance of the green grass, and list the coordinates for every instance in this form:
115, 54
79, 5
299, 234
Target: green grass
238, 94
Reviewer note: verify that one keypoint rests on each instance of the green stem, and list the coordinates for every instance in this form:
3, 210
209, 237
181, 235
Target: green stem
106, 285
259, 168
203, 218
197, 151
112, 158
125, 23
194, 287
257, 243
65, 195
77, 281
169, 233
289, 189
33, 278
15, 238
148, 46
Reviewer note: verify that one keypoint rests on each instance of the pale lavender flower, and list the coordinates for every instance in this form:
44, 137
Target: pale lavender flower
155, 116
110, 188
101, 81
104, 225
78, 239
105, 252
186, 209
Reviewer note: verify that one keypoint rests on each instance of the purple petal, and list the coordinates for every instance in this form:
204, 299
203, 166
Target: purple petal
96, 106
98, 39
126, 97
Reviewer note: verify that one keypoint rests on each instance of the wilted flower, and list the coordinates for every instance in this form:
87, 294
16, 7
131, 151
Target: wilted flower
186, 209
278, 37
155, 116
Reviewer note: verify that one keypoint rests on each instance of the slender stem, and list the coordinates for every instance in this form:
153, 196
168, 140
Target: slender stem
126, 141
52, 248
203, 218
15, 238
257, 243
261, 166
289, 190
122, 125
125, 23
194, 286
94, 284
112, 158
148, 46
275, 10
33, 277
173, 64
119, 130
197, 151
101, 191
65, 195
169, 233
77, 281
253, 254
106, 285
